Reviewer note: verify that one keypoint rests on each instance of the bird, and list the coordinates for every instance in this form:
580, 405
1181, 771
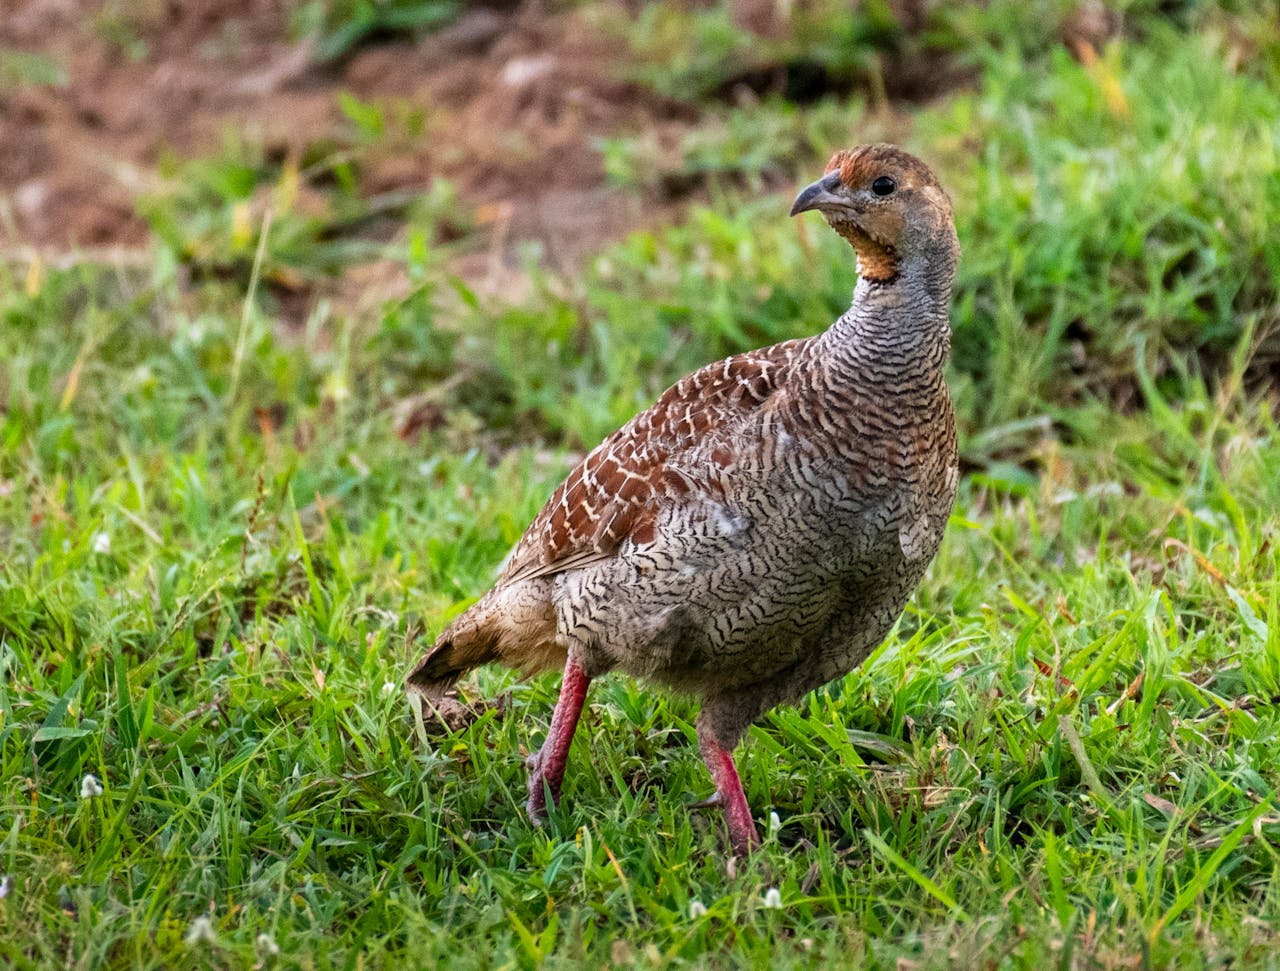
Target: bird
757, 531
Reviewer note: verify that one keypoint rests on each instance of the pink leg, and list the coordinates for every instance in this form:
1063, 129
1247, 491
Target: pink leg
546, 768
742, 828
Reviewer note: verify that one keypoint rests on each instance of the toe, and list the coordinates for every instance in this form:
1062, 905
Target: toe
711, 802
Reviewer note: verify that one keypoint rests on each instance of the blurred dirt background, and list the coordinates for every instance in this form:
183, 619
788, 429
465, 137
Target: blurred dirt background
514, 96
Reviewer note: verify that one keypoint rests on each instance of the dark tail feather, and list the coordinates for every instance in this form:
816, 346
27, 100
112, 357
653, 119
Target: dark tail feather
434, 678
448, 660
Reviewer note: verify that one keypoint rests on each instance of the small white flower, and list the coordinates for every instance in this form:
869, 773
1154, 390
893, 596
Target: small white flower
267, 946
772, 899
336, 386
142, 376
6, 884
697, 909
775, 824
90, 787
102, 542
389, 688
201, 932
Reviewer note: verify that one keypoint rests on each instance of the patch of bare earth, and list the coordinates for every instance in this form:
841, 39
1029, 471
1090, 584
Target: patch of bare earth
513, 100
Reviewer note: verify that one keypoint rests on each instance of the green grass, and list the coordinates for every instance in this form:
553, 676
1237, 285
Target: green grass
218, 558
338, 27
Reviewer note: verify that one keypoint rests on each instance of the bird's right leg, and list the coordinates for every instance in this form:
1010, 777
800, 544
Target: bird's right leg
546, 767
718, 755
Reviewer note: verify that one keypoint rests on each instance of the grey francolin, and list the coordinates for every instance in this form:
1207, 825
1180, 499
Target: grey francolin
757, 531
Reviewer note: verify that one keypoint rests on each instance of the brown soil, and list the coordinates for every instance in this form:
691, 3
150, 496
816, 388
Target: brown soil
513, 99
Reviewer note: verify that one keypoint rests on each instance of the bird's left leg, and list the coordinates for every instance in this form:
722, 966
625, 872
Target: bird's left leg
546, 767
717, 752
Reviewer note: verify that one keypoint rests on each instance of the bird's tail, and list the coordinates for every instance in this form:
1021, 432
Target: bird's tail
518, 634
452, 655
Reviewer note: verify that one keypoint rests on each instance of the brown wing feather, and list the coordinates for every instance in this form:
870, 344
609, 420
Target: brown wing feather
615, 492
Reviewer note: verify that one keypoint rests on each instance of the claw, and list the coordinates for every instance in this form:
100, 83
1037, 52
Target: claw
711, 802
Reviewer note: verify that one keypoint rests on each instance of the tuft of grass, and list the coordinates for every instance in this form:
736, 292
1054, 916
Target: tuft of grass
797, 52
307, 213
1135, 219
751, 147
340, 26
20, 69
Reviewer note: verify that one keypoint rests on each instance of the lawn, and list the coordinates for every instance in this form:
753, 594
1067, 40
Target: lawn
223, 541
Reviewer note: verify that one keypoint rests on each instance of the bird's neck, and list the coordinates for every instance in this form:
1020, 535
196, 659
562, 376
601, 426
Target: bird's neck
897, 329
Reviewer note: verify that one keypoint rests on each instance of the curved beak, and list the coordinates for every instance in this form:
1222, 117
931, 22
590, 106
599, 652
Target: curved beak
818, 194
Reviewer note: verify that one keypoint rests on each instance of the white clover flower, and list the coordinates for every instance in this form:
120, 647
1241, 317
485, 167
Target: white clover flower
102, 542
697, 909
267, 946
90, 787
775, 824
772, 899
201, 932
389, 688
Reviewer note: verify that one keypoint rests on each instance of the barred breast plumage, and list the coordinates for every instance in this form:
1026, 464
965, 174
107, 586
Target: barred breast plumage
757, 531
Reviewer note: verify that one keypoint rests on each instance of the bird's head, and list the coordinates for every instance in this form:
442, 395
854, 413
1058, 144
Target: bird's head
890, 206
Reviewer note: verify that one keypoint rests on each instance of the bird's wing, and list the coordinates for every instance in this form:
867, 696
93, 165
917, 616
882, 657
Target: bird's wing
615, 492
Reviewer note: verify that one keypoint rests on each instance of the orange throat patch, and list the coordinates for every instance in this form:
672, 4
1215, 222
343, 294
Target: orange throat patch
877, 261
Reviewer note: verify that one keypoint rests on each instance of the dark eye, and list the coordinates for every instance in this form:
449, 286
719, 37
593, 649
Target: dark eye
883, 186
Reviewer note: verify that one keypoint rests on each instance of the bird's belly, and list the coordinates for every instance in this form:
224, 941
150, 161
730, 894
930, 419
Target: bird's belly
731, 599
